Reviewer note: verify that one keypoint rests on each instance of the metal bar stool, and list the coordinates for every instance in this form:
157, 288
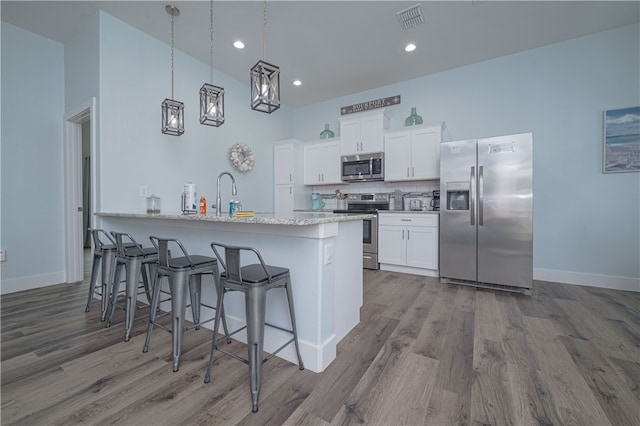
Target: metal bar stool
182, 272
136, 260
104, 251
254, 281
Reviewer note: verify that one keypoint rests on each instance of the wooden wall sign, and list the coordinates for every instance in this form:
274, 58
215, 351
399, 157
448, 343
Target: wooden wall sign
375, 104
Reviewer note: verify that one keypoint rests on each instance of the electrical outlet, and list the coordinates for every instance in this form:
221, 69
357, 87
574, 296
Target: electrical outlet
3, 256
144, 191
328, 254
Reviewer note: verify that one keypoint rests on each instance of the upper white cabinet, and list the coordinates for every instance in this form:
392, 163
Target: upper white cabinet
413, 153
289, 192
283, 163
322, 163
363, 132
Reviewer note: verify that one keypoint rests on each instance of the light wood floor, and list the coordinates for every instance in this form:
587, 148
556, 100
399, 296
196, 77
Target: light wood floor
423, 353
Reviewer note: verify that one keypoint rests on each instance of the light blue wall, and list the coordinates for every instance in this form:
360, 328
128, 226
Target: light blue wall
585, 221
135, 79
32, 178
81, 64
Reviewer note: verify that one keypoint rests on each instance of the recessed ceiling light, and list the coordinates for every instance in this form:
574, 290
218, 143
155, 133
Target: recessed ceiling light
238, 45
410, 47
297, 83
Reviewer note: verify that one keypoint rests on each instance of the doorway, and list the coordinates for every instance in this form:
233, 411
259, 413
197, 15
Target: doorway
75, 201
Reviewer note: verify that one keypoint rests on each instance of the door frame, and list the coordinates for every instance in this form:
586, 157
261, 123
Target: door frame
72, 151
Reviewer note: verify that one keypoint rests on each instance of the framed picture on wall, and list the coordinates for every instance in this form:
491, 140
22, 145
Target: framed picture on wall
621, 140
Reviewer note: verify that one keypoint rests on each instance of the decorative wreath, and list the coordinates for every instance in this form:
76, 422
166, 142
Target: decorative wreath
242, 158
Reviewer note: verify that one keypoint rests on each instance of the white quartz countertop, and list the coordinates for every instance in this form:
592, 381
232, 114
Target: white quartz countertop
295, 219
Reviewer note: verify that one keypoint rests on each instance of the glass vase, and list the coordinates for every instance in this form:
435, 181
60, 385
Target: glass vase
326, 133
413, 119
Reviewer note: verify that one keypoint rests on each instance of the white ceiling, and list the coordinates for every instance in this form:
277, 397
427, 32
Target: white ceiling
339, 47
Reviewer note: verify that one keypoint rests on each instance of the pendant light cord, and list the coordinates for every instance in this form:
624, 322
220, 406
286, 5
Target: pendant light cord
211, 42
172, 16
264, 32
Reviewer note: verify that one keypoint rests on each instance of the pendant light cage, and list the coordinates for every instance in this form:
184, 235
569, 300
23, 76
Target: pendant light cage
265, 78
172, 110
265, 87
211, 97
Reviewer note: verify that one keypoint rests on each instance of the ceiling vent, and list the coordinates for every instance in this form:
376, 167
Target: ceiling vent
410, 17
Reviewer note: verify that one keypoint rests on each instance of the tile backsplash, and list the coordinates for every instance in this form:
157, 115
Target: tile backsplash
418, 187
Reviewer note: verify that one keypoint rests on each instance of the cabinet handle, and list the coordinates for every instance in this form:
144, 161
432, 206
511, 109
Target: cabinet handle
322, 177
290, 177
407, 172
405, 220
408, 235
290, 190
403, 234
412, 172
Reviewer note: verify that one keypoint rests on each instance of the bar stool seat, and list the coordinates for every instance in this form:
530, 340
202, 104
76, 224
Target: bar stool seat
182, 272
254, 281
136, 260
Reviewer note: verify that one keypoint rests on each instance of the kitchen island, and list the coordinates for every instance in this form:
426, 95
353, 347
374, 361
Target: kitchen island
322, 250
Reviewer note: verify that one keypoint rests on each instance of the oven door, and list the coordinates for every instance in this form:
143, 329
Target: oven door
370, 243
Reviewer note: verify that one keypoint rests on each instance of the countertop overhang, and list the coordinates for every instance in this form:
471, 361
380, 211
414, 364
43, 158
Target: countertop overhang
295, 219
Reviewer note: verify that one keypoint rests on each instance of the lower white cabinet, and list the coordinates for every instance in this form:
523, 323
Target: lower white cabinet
408, 243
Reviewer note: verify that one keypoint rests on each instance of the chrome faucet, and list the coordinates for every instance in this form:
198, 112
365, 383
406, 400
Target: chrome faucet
234, 191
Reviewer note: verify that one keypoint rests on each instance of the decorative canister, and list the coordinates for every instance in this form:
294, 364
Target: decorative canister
413, 119
153, 204
326, 133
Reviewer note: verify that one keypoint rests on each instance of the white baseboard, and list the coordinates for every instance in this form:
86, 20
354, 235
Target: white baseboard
591, 280
31, 282
409, 270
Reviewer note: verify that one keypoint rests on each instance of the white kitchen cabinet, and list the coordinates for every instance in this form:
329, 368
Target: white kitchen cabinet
413, 153
408, 243
322, 163
289, 192
363, 132
283, 166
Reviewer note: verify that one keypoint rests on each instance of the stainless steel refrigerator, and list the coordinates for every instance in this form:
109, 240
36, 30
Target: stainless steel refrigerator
486, 212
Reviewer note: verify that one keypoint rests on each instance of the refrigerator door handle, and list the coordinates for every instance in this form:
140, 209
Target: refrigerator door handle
472, 180
481, 196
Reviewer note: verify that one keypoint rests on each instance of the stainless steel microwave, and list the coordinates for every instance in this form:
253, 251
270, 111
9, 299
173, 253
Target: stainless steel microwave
363, 167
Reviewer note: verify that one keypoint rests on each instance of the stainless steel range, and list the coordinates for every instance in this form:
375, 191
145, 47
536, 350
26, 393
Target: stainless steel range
368, 203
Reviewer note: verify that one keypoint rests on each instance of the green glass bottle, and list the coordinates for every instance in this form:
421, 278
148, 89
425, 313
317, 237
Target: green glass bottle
326, 133
413, 119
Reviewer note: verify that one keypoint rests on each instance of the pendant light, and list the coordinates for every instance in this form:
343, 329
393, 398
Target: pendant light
211, 97
172, 111
265, 79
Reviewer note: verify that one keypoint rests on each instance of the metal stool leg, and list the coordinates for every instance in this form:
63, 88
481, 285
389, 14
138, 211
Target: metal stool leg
94, 278
153, 310
255, 305
108, 263
115, 289
178, 284
293, 322
216, 325
146, 275
133, 274
195, 288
